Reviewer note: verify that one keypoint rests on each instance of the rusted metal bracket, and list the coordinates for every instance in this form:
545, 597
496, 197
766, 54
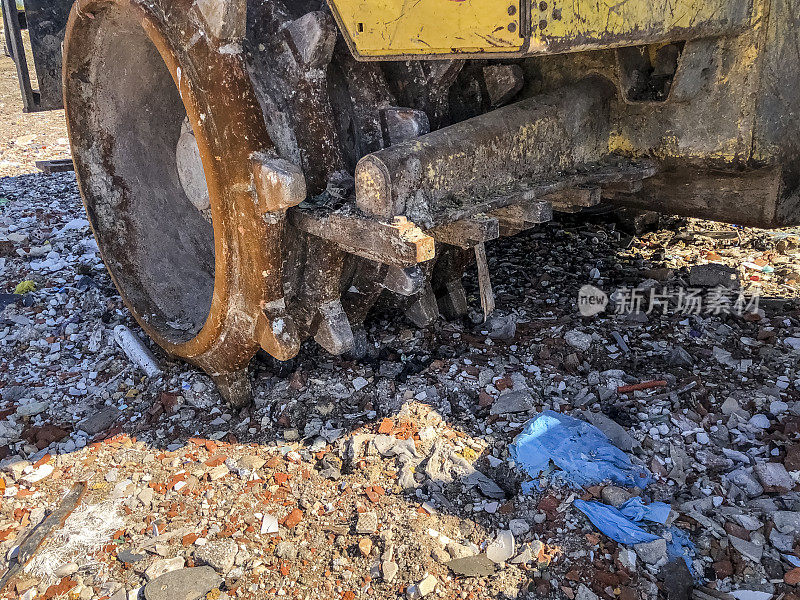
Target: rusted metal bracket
400, 243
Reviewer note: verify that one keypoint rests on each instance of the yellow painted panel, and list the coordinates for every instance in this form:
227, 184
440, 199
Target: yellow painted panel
422, 27
564, 25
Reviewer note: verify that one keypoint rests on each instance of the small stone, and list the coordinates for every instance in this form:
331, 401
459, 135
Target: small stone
774, 477
286, 550
512, 402
678, 357
714, 275
367, 523
502, 548
585, 593
747, 549
38, 474
787, 521
186, 584
423, 588
652, 553
218, 472
269, 524
730, 406
759, 421
578, 340
100, 421
250, 462
615, 432
66, 570
519, 527
615, 496
163, 565
745, 480
16, 466
219, 554
126, 556
792, 577
389, 569
365, 546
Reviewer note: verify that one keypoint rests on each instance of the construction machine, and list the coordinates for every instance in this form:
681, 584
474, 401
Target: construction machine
261, 172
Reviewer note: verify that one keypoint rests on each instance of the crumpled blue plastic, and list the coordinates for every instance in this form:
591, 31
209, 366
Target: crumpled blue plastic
680, 546
582, 452
620, 524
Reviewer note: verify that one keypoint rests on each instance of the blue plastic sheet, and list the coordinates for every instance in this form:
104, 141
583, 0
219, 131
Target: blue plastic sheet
582, 452
618, 524
680, 546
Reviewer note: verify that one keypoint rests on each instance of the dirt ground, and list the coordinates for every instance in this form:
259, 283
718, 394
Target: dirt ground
394, 476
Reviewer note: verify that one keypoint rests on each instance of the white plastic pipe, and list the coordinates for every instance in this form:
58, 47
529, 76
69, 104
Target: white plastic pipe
136, 351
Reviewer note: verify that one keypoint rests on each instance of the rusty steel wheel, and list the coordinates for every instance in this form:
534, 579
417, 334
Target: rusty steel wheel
142, 83
172, 110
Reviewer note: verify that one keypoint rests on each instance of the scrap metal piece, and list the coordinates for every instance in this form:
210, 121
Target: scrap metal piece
447, 284
53, 521
405, 282
226, 20
484, 281
400, 243
234, 387
466, 233
524, 215
279, 184
333, 331
503, 82
401, 124
423, 310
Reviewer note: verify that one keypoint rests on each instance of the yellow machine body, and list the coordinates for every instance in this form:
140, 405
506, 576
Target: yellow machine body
380, 29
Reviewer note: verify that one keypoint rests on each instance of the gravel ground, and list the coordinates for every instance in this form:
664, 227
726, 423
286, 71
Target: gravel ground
391, 476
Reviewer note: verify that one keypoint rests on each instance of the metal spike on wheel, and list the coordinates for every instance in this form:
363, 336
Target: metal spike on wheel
484, 281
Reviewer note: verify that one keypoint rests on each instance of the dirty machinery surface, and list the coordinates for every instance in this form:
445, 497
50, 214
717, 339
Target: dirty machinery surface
259, 173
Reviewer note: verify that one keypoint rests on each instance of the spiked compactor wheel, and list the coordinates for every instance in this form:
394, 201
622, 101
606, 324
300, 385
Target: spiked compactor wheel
252, 184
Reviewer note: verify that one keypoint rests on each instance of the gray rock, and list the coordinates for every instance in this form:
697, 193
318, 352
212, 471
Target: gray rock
773, 476
615, 496
478, 565
615, 432
501, 327
519, 527
512, 402
100, 421
486, 485
747, 549
367, 523
788, 522
679, 357
584, 593
745, 480
714, 275
219, 554
678, 580
782, 541
389, 569
502, 548
183, 584
652, 553
163, 565
578, 340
